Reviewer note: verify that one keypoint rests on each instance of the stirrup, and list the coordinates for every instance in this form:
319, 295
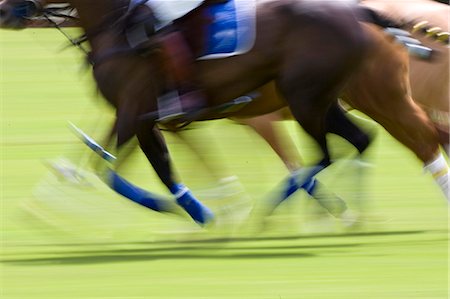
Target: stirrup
234, 105
180, 119
169, 107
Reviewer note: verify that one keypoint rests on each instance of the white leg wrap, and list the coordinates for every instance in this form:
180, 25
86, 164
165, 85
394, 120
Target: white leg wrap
440, 172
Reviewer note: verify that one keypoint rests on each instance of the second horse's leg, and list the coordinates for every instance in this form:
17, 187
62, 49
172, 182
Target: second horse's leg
381, 90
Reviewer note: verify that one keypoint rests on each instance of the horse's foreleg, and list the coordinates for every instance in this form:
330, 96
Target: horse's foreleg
109, 142
119, 184
153, 145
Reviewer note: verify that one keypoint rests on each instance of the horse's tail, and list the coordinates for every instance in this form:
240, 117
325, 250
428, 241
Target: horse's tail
402, 31
369, 15
434, 32
443, 1
372, 16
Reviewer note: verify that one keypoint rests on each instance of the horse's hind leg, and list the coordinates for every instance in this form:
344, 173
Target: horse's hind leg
407, 123
381, 90
313, 72
309, 97
311, 80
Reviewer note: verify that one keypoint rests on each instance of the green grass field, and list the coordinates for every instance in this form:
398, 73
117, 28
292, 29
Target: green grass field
59, 240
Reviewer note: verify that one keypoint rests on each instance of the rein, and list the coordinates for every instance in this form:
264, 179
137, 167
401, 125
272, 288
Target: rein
116, 27
77, 42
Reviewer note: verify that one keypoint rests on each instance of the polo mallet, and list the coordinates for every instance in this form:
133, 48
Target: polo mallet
92, 144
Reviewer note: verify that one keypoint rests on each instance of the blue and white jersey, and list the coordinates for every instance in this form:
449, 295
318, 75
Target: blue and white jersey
231, 32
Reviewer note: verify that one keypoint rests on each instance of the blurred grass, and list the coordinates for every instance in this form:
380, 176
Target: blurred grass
94, 244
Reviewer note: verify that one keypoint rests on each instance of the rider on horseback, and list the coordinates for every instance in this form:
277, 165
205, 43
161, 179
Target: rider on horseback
183, 100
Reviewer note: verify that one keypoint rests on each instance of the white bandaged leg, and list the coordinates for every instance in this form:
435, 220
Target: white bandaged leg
440, 171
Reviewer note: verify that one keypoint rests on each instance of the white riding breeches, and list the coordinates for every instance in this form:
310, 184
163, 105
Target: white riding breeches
168, 10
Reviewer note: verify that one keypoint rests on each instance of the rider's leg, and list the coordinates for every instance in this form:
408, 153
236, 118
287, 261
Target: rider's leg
179, 64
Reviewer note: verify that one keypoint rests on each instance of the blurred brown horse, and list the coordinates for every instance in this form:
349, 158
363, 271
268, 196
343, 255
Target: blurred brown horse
428, 22
429, 79
309, 73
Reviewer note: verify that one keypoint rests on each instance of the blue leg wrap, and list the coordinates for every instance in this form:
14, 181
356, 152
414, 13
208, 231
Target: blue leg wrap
291, 187
199, 212
301, 181
305, 179
310, 186
136, 194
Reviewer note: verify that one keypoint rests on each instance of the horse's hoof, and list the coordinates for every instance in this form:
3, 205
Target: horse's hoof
349, 219
65, 171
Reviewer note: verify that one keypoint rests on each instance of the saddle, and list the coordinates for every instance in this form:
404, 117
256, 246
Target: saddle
414, 46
